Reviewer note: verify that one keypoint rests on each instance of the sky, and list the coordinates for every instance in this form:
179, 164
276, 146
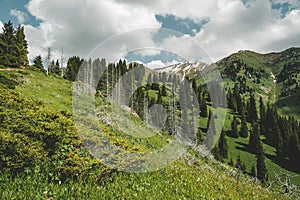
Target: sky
155, 32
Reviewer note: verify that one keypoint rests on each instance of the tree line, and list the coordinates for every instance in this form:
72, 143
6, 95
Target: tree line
13, 46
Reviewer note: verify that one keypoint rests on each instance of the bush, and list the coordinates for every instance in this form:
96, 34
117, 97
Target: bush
31, 133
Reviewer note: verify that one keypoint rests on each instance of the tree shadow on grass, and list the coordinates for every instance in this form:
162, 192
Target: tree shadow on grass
242, 147
289, 165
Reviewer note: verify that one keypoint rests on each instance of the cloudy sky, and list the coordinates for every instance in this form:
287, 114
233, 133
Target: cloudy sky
138, 29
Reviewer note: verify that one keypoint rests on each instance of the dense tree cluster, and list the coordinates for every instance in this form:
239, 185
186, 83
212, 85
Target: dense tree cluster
13, 46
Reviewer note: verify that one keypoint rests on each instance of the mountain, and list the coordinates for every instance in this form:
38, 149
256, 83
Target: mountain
188, 69
49, 158
274, 76
42, 156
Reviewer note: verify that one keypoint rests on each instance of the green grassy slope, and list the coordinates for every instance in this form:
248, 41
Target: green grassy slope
288, 105
188, 178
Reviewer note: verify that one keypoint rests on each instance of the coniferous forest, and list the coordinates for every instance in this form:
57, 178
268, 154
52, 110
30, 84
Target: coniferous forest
43, 157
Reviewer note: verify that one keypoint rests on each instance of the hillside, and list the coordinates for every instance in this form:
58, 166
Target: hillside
274, 76
35, 113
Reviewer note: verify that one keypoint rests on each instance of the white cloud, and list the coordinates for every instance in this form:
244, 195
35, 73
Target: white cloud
21, 17
156, 64
255, 27
185, 47
183, 9
80, 25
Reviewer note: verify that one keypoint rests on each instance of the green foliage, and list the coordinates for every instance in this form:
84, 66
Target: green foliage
254, 141
64, 154
261, 168
252, 112
8, 82
32, 133
234, 130
73, 66
184, 179
223, 146
13, 46
38, 63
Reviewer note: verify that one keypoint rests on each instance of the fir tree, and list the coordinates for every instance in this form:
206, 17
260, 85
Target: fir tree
73, 66
21, 47
211, 130
252, 112
231, 101
244, 129
38, 63
262, 115
223, 147
254, 140
203, 107
14, 46
260, 164
234, 130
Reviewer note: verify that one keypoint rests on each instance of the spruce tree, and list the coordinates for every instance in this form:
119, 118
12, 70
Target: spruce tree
211, 130
260, 164
262, 112
216, 153
234, 130
223, 146
73, 66
254, 140
231, 101
252, 112
8, 50
21, 47
38, 63
203, 107
244, 129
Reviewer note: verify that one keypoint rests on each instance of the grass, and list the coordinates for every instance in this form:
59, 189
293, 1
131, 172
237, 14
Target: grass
184, 179
189, 178
289, 106
54, 91
237, 147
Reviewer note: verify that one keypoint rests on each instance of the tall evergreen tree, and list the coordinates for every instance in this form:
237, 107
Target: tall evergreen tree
252, 112
210, 131
73, 66
262, 115
260, 164
231, 101
8, 50
38, 63
203, 106
244, 128
21, 47
223, 146
254, 140
234, 130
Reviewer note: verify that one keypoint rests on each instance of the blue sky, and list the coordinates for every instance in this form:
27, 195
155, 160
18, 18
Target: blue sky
220, 27
6, 9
